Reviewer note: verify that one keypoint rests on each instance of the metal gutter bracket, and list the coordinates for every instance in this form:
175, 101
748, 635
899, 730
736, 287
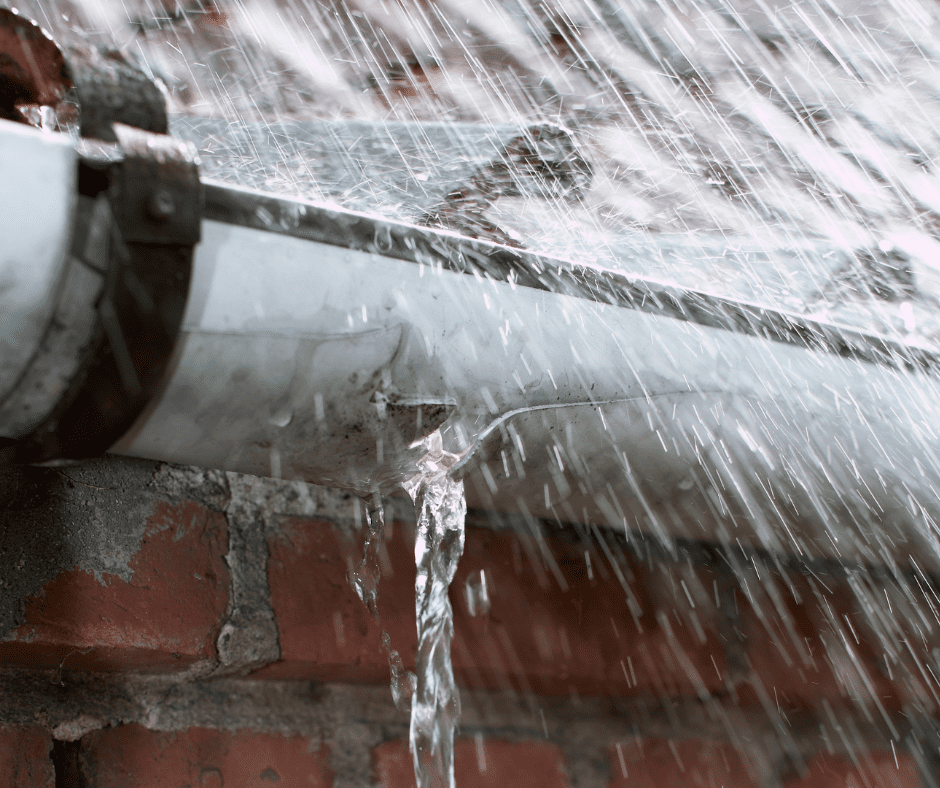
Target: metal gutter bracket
159, 187
114, 299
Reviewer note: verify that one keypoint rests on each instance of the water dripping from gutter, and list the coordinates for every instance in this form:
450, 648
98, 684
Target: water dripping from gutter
439, 542
365, 581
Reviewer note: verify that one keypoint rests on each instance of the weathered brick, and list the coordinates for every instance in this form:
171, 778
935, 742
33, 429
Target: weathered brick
875, 770
807, 641
558, 624
131, 756
324, 631
25, 760
164, 617
662, 763
478, 763
554, 626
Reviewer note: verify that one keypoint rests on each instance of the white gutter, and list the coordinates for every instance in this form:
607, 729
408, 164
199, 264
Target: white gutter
36, 205
317, 344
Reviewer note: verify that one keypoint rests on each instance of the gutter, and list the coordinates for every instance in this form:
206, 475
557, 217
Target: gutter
279, 337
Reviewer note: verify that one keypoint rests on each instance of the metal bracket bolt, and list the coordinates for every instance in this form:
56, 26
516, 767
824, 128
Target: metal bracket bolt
161, 205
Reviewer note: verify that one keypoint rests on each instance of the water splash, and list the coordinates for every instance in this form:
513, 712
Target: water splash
439, 542
365, 581
477, 594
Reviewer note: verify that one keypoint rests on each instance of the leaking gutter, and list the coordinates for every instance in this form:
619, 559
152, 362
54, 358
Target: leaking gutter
319, 344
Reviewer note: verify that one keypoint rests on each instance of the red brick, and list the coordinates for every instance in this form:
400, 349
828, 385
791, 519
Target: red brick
478, 763
25, 760
133, 757
165, 617
662, 763
876, 770
561, 629
811, 642
324, 631
539, 635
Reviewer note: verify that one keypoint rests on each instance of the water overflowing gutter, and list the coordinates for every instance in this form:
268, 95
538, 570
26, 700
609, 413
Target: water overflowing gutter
318, 344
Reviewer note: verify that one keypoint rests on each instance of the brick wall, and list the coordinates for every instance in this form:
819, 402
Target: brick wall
170, 627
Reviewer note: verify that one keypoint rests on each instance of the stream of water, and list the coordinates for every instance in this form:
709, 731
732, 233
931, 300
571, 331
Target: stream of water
439, 541
365, 581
